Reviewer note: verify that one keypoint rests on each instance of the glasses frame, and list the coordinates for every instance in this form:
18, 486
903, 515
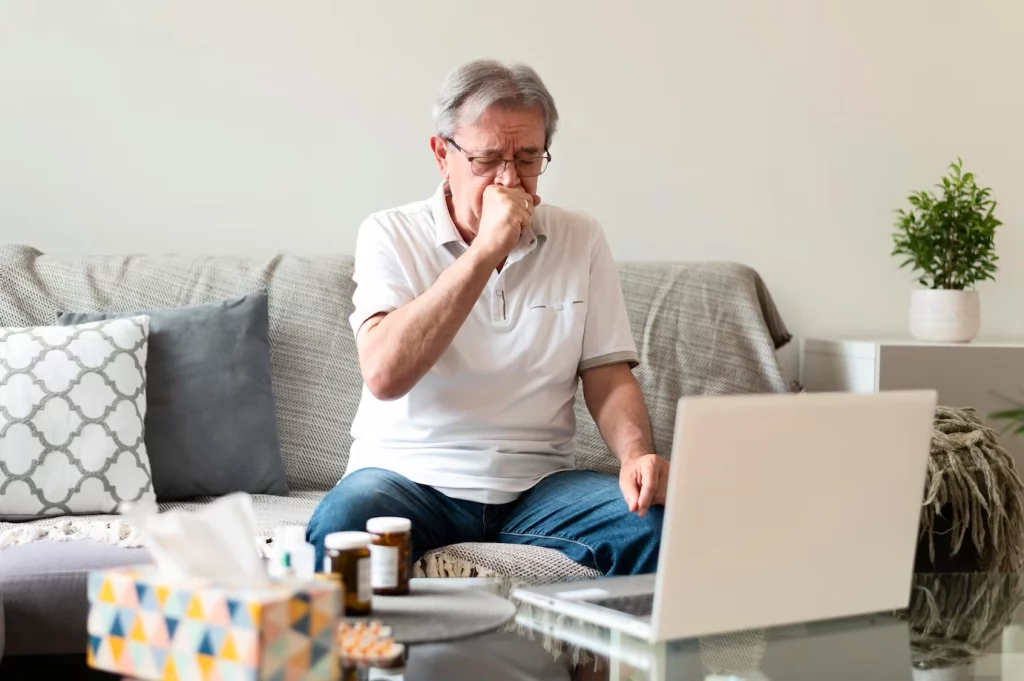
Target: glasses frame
504, 162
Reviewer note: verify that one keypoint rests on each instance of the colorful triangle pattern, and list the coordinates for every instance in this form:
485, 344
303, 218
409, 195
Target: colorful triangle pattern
175, 604
116, 647
206, 663
247, 645
217, 635
105, 655
160, 659
127, 596
106, 592
326, 669
142, 660
189, 636
170, 670
187, 666
154, 629
298, 608
93, 585
230, 670
215, 607
172, 626
195, 608
319, 652
116, 629
147, 629
319, 621
137, 631
206, 645
228, 651
162, 592
101, 618
94, 644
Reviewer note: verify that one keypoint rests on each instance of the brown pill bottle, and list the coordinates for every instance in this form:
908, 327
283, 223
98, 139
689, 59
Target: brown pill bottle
390, 555
347, 555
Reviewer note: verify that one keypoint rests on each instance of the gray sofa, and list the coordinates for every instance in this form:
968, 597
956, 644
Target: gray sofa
708, 328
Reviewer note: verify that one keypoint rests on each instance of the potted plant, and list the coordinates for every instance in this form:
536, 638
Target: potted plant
950, 241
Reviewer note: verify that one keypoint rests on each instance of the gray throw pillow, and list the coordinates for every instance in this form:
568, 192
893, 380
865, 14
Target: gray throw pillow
211, 425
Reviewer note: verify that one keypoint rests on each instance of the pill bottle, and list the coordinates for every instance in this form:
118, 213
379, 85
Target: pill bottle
390, 555
347, 554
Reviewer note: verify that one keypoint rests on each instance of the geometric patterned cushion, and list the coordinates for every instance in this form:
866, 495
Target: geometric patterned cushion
72, 408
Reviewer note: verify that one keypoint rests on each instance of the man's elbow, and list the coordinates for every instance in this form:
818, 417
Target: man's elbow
384, 384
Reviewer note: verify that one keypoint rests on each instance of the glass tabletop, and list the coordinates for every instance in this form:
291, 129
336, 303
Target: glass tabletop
959, 627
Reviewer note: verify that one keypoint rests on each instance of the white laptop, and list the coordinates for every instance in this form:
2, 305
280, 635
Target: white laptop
781, 509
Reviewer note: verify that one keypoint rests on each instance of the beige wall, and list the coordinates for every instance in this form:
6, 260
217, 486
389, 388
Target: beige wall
780, 134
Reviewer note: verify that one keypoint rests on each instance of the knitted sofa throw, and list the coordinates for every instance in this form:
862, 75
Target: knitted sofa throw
974, 479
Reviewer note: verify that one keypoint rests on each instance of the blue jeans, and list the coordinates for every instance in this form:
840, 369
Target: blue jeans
580, 513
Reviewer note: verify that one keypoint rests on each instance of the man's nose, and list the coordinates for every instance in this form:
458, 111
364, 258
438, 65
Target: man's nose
507, 175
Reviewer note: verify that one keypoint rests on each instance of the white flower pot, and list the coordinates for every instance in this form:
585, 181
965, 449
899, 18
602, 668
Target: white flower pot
944, 315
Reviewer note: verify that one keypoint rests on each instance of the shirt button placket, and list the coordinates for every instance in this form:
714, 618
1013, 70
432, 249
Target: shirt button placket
498, 304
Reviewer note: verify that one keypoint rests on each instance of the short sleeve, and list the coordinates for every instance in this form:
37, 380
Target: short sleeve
381, 282
607, 338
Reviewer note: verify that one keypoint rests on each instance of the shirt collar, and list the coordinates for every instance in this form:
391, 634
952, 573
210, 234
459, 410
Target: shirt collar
445, 231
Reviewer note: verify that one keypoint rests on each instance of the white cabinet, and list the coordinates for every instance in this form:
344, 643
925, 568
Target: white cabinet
983, 375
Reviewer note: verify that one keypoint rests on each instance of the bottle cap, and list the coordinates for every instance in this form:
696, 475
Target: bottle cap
344, 541
388, 525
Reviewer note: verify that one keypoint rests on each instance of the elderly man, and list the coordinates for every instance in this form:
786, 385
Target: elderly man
476, 313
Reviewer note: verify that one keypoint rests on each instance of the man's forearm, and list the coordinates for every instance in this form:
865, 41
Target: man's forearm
616, 402
396, 350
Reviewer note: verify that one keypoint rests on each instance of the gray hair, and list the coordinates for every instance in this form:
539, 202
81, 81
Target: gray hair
478, 85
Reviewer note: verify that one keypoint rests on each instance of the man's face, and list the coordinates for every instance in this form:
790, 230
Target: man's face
499, 134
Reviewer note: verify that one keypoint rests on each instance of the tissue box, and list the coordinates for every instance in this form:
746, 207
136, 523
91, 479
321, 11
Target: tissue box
148, 628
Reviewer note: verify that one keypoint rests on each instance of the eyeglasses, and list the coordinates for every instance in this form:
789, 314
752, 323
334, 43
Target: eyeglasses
492, 166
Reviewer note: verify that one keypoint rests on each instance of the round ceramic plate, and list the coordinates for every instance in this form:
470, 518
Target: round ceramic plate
434, 612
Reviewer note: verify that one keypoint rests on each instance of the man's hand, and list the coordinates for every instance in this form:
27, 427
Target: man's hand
644, 482
505, 213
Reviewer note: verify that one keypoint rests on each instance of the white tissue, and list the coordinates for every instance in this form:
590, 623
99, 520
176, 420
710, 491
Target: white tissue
214, 543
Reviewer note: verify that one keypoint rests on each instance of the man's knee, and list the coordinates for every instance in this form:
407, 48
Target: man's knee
639, 553
353, 501
652, 538
650, 525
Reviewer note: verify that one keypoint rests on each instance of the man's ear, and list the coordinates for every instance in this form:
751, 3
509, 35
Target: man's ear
440, 149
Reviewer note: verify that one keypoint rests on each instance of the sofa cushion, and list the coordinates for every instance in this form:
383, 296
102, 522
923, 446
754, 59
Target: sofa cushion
211, 426
72, 405
44, 586
315, 370
44, 583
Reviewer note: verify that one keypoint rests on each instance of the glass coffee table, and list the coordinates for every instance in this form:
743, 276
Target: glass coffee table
959, 627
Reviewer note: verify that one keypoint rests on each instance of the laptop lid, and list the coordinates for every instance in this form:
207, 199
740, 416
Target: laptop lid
775, 500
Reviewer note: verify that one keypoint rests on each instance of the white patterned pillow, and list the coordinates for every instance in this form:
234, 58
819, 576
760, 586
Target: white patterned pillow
72, 409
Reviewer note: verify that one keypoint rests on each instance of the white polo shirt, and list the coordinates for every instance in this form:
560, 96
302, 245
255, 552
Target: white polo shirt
494, 416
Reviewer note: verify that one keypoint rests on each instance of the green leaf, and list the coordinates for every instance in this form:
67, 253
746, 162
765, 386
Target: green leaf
949, 238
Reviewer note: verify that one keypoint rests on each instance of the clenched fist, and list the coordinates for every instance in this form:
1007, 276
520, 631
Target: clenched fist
505, 213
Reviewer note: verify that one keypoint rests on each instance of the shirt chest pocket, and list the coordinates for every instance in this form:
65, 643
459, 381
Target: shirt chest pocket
556, 331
